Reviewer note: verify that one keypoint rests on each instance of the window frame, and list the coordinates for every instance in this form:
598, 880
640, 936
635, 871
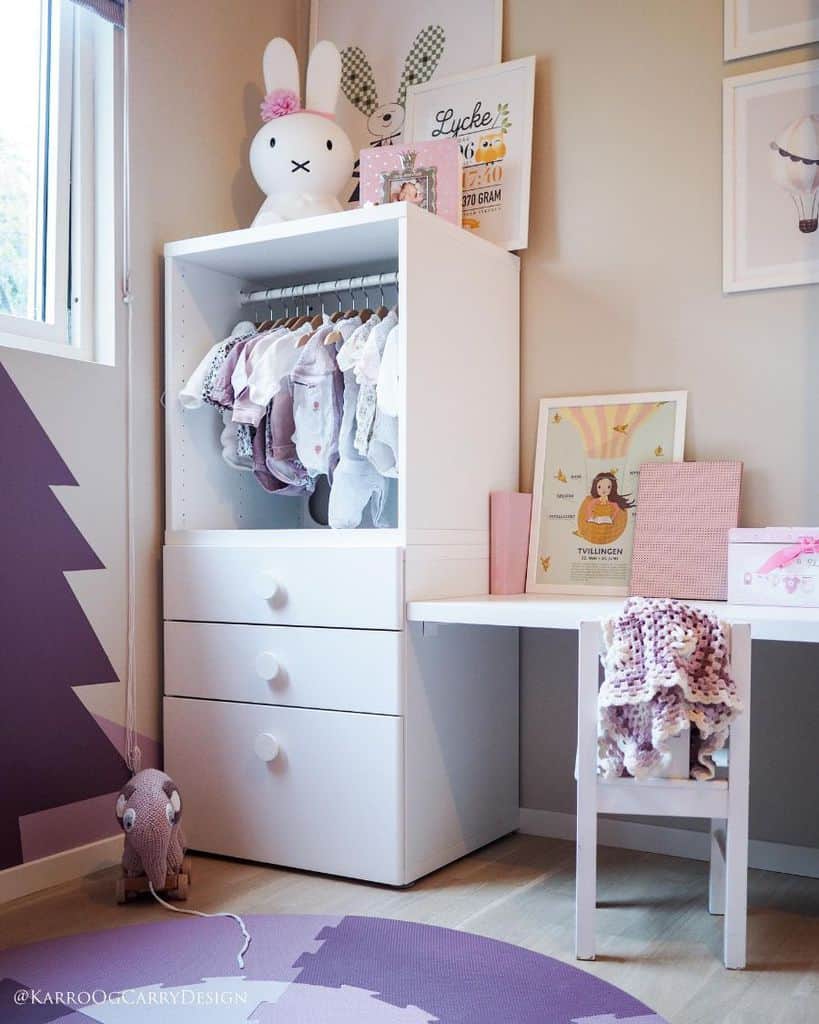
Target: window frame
83, 193
95, 231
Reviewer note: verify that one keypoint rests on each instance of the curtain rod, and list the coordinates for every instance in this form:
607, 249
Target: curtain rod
343, 284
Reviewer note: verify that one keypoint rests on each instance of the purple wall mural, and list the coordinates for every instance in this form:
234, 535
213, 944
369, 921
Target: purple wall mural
52, 752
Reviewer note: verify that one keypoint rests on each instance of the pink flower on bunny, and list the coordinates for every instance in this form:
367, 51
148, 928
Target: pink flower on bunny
301, 159
279, 103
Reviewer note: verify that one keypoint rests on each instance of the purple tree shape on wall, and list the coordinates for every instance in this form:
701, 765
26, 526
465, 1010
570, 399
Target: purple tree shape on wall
52, 752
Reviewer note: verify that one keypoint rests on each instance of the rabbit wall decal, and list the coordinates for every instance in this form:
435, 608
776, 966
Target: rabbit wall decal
301, 159
385, 121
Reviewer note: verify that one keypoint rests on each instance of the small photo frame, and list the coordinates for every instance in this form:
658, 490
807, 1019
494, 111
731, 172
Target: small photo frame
411, 184
427, 175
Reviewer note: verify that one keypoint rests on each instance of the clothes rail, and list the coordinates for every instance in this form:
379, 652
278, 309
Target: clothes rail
344, 284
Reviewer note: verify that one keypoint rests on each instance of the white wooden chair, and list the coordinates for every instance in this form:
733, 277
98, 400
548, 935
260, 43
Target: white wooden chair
724, 802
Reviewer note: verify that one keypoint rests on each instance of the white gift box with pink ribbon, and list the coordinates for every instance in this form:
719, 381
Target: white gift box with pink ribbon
774, 565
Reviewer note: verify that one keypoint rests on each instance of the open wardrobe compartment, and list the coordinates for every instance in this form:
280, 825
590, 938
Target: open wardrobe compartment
299, 702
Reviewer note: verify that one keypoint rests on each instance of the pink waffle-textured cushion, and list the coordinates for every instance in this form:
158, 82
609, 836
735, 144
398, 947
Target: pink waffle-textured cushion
685, 511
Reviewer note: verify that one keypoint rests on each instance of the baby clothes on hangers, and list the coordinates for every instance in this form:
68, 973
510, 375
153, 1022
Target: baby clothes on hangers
278, 429
221, 385
317, 389
234, 445
192, 395
245, 410
237, 442
367, 375
199, 389
291, 414
276, 364
366, 368
350, 349
270, 382
383, 449
387, 387
357, 486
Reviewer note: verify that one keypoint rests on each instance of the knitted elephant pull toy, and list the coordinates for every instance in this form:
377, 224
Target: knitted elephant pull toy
149, 809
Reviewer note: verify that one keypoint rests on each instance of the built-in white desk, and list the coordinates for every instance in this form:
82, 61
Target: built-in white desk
534, 611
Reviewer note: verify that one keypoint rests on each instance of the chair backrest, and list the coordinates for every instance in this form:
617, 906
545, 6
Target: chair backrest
738, 638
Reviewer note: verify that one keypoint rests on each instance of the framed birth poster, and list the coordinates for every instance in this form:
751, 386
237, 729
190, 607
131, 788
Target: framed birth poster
489, 113
585, 500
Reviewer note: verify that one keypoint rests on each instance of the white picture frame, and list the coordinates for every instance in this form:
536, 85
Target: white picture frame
779, 25
492, 107
379, 42
770, 236
579, 440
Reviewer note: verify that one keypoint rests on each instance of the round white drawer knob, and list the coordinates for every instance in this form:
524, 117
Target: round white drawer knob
266, 585
266, 746
267, 666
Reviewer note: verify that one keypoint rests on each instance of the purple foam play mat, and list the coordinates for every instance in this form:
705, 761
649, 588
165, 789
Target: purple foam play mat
301, 970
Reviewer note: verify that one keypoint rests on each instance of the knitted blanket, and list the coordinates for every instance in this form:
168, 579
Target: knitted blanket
665, 666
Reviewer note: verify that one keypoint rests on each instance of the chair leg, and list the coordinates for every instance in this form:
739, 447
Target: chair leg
716, 873
586, 872
586, 884
736, 847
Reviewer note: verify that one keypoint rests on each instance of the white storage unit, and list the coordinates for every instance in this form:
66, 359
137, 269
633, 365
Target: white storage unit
306, 722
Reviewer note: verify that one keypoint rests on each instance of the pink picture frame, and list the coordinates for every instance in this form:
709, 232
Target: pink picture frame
427, 174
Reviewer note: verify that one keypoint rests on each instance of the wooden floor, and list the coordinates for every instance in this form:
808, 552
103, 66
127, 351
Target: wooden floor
656, 938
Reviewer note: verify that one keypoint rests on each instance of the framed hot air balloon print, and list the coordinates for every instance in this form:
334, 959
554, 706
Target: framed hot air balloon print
771, 178
585, 495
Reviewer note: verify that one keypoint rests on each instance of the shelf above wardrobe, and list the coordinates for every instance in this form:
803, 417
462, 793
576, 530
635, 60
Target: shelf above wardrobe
312, 249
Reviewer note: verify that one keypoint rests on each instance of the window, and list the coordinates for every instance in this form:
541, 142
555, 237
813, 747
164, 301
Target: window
58, 140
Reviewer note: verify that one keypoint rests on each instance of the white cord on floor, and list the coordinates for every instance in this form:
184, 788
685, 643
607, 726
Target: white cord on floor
240, 956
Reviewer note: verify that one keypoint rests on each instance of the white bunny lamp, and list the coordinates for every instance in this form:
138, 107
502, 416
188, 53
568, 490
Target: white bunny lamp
300, 157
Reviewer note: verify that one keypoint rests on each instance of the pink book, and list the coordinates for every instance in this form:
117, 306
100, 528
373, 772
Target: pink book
685, 512
509, 515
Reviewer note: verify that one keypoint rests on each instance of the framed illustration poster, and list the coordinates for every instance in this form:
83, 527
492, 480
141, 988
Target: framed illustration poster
387, 47
585, 500
771, 178
759, 26
489, 112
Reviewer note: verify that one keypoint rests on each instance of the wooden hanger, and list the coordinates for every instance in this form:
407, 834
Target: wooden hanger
265, 325
282, 320
365, 313
382, 310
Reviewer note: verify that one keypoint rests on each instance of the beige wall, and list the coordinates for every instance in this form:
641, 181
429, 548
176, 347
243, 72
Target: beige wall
197, 85
622, 292
622, 278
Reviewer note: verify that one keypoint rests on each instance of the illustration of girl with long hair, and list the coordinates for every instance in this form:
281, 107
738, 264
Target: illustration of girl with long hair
603, 515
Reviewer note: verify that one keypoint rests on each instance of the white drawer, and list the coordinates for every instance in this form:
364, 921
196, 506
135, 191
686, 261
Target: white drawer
341, 669
331, 800
356, 587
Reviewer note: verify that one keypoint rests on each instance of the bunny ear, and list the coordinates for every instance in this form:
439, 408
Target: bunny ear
422, 60
358, 80
323, 75
281, 66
